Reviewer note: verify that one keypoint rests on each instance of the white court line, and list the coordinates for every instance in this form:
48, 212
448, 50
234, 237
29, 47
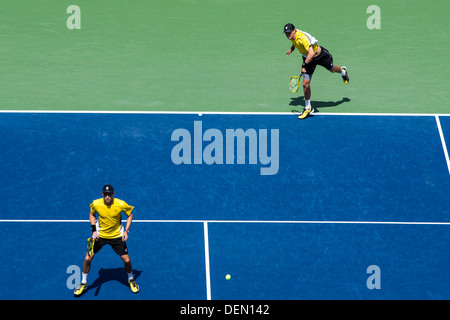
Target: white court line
242, 221
444, 145
208, 275
225, 113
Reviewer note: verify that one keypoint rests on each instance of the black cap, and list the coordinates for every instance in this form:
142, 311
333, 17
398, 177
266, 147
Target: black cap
108, 189
288, 28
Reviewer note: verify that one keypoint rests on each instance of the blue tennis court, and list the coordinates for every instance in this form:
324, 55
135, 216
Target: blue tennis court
300, 210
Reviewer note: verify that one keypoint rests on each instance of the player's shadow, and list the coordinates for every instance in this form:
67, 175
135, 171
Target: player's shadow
114, 274
300, 101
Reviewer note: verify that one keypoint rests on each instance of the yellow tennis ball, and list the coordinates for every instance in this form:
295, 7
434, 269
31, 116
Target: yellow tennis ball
228, 277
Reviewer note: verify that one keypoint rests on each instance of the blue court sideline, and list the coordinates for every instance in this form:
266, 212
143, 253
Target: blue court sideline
331, 168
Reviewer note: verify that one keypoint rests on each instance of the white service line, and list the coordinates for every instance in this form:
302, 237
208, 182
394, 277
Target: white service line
244, 221
250, 113
208, 275
444, 145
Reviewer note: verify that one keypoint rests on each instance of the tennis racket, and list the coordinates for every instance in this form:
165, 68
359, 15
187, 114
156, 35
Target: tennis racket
90, 246
294, 83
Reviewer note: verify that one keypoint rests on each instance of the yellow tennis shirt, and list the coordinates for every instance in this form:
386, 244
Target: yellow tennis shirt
303, 41
109, 217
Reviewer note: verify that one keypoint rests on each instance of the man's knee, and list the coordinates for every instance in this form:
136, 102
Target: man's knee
125, 258
306, 84
88, 258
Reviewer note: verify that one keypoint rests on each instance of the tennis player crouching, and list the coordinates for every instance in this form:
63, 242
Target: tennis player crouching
313, 55
110, 232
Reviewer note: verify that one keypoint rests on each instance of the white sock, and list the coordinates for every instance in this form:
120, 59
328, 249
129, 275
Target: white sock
308, 104
343, 73
130, 275
84, 277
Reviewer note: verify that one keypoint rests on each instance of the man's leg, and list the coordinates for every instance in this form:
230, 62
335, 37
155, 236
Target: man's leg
307, 94
307, 88
342, 71
127, 263
336, 68
326, 61
98, 244
128, 268
86, 267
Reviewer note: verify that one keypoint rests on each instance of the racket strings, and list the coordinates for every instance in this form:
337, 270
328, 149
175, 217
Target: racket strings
293, 83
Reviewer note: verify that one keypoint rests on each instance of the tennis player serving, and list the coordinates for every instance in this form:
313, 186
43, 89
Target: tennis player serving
110, 232
313, 55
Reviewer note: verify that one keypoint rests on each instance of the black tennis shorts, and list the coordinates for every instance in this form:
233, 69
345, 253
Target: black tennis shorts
119, 246
324, 59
